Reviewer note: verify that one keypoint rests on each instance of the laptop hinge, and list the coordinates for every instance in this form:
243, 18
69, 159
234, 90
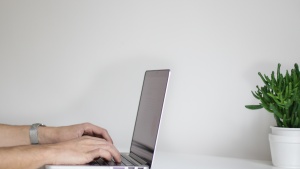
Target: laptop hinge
138, 159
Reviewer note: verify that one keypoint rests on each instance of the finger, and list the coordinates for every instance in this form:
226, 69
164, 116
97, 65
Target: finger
95, 140
95, 143
112, 150
106, 136
93, 130
100, 153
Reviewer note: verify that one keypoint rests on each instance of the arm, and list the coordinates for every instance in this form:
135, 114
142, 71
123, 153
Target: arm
78, 151
23, 157
14, 135
19, 135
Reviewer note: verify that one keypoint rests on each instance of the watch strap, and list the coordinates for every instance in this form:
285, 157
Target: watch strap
33, 133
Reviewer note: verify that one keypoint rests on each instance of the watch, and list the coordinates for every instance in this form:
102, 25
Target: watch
33, 133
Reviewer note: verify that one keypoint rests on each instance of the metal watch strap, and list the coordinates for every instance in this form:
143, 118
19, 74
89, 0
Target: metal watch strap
33, 133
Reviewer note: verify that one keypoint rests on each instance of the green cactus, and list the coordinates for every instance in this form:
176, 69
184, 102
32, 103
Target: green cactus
280, 95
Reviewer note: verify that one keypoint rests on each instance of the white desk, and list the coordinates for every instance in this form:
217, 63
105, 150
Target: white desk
165, 160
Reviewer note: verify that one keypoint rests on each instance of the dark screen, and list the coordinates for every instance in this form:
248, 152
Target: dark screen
149, 114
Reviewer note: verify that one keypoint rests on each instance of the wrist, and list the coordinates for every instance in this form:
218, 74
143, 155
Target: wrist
42, 154
49, 153
47, 135
52, 152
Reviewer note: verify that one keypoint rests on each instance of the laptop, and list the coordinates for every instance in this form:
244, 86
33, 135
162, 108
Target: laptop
145, 134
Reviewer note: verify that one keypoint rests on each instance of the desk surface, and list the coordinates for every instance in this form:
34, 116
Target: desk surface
165, 160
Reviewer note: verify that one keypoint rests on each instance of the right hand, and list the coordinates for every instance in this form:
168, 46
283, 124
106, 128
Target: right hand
82, 150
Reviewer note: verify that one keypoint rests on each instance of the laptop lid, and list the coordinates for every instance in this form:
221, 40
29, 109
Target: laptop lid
148, 116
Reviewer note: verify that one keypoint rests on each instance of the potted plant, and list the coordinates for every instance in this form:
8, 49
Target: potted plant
280, 95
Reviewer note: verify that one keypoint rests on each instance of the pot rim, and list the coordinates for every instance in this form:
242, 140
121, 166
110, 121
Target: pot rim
284, 128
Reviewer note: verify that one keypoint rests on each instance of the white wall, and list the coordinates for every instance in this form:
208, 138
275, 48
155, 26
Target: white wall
70, 61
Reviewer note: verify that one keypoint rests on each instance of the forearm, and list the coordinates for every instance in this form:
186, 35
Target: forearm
14, 135
20, 157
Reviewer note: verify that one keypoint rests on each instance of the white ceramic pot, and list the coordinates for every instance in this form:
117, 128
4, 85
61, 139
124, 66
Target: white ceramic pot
295, 132
285, 151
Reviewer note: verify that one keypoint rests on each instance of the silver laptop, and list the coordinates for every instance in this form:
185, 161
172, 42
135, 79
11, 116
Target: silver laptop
142, 149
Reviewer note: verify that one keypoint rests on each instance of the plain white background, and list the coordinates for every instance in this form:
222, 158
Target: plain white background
69, 61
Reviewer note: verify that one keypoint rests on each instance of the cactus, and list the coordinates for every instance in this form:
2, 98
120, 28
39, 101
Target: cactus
280, 95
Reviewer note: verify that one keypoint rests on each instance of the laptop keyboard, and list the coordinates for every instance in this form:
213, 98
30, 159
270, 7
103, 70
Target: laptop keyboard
103, 162
125, 161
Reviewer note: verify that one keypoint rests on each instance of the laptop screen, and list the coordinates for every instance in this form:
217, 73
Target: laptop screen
149, 114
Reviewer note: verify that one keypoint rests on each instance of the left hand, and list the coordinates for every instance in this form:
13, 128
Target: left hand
65, 133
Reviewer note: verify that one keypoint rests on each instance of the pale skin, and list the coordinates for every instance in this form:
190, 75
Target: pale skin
75, 144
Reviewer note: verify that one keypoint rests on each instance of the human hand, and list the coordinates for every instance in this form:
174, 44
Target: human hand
65, 133
77, 151
81, 151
